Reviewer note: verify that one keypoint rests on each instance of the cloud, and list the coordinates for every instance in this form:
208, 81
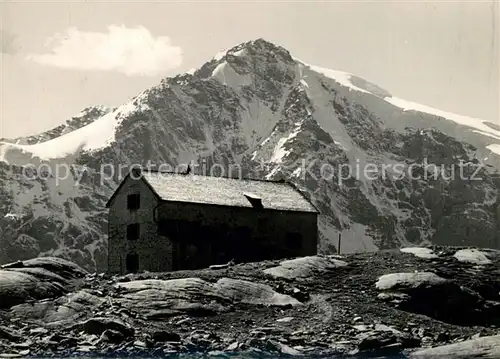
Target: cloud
132, 51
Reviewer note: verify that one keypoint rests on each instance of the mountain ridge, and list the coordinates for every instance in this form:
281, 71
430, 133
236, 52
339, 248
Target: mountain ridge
257, 107
344, 78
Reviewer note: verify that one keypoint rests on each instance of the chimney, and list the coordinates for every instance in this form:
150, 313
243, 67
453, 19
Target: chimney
254, 200
136, 172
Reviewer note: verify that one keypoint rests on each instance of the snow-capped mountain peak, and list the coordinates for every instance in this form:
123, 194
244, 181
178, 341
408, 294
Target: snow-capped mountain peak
257, 109
105, 126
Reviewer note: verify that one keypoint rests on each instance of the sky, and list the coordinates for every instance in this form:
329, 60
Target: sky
59, 57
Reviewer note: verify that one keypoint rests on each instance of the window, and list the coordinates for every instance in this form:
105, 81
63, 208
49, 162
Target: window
294, 240
133, 231
133, 201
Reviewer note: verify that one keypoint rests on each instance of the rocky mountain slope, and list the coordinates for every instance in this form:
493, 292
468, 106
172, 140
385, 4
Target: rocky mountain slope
414, 302
256, 108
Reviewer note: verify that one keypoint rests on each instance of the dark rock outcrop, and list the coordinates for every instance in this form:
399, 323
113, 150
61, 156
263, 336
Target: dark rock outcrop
99, 325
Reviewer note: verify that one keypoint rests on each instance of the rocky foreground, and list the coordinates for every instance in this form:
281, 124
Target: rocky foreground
415, 302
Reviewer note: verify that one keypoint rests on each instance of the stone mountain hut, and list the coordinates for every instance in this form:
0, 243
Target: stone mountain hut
166, 221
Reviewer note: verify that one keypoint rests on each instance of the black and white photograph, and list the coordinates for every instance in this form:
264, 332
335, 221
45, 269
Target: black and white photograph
249, 179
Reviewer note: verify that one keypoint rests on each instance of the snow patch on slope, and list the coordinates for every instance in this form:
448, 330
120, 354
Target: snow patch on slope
297, 172
279, 150
241, 52
225, 73
257, 121
96, 135
346, 79
343, 78
475, 123
495, 148
486, 134
220, 55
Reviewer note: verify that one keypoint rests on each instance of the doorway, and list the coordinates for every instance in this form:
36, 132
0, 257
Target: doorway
132, 263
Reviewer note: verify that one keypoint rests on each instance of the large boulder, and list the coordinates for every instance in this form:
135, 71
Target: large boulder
62, 311
35, 279
194, 296
429, 294
485, 347
305, 267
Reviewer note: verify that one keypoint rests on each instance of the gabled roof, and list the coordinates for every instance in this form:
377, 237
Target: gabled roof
225, 191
